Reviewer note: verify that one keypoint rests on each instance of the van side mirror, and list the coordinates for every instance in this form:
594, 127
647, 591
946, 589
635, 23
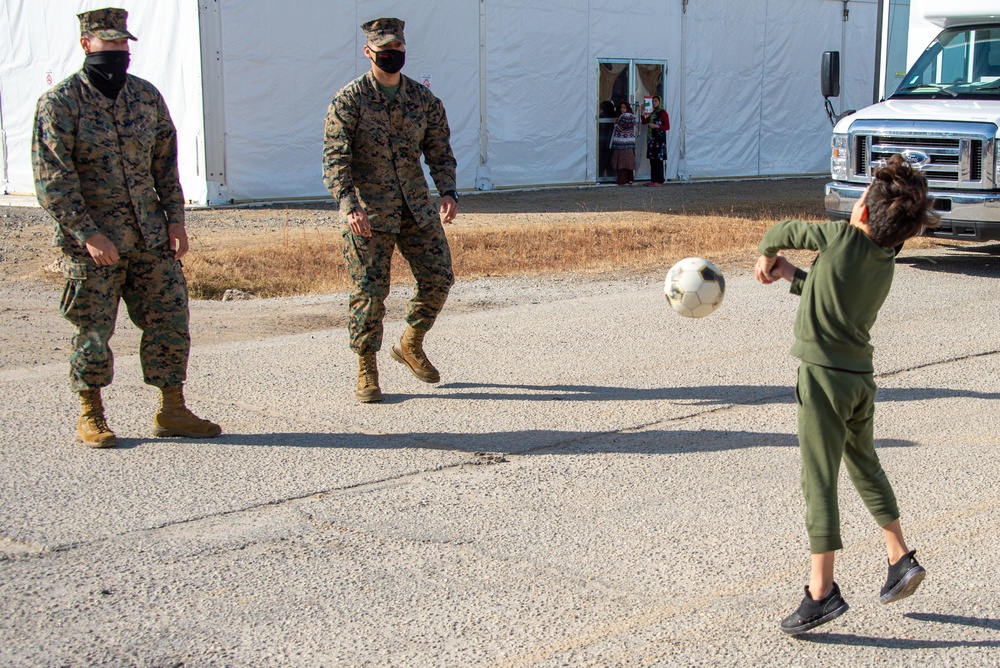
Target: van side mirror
829, 74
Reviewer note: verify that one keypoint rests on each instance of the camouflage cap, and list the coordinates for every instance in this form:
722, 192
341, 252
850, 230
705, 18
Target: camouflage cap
382, 31
107, 23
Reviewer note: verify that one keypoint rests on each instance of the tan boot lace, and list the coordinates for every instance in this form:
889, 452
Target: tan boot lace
368, 372
98, 421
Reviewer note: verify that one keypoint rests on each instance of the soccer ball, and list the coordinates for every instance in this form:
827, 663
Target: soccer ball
694, 287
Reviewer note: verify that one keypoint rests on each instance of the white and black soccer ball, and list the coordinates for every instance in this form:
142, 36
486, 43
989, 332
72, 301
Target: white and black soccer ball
694, 287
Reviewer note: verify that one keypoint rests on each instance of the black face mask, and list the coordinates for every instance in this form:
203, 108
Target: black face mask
390, 61
106, 70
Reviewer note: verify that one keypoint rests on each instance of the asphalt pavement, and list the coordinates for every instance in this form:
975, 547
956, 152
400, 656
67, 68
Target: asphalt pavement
595, 482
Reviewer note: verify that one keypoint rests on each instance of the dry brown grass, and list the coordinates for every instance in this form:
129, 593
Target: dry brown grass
273, 265
521, 237
654, 241
306, 262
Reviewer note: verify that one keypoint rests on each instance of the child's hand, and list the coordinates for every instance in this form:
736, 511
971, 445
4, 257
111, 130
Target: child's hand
783, 269
762, 269
770, 269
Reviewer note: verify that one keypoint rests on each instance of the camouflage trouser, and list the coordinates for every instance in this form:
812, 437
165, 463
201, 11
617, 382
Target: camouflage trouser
368, 261
152, 284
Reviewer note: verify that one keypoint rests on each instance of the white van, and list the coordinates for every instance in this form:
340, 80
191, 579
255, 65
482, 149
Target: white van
943, 117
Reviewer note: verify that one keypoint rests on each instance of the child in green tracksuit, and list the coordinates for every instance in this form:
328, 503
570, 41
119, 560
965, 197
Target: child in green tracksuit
840, 299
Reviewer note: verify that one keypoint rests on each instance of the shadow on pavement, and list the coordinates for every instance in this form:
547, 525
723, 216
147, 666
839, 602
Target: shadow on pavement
901, 643
696, 396
653, 442
980, 261
622, 440
980, 622
892, 643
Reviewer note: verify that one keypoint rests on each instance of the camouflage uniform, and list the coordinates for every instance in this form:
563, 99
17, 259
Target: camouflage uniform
371, 160
110, 167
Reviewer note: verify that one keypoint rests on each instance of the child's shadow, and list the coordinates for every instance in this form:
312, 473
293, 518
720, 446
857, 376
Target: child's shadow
903, 643
980, 622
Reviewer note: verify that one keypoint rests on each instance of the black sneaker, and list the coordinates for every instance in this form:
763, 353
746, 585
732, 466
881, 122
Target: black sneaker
813, 613
904, 577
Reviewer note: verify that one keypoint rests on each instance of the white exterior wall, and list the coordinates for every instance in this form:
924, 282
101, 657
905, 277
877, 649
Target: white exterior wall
752, 81
283, 62
46, 38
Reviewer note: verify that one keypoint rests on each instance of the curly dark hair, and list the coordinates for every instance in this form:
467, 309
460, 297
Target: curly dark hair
898, 205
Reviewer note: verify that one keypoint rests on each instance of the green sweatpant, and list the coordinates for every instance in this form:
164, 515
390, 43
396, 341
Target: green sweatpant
835, 423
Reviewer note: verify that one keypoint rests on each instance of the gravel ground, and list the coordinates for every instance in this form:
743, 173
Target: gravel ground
596, 482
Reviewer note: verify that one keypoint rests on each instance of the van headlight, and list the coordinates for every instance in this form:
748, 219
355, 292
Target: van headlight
838, 157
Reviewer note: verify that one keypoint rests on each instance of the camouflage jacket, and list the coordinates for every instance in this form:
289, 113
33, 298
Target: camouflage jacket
372, 147
102, 164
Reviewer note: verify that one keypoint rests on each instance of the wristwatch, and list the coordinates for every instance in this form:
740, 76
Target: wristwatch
450, 193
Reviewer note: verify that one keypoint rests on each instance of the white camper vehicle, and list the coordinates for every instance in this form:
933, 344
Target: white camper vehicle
943, 117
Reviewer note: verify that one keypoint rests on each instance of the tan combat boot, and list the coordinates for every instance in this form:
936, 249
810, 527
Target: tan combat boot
410, 352
174, 418
368, 390
92, 428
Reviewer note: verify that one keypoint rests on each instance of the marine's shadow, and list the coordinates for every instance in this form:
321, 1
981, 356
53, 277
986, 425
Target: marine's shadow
541, 442
701, 395
641, 441
620, 439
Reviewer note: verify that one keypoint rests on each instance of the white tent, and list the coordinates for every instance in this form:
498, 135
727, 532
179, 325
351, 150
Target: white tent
248, 82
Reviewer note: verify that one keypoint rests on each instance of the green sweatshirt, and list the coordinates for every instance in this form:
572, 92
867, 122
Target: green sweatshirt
841, 294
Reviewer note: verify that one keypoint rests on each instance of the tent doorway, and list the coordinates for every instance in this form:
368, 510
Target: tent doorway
625, 79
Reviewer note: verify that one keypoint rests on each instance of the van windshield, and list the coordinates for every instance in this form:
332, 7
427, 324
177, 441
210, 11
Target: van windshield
959, 63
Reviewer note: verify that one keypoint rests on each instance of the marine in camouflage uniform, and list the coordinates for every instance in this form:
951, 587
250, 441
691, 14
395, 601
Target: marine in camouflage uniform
104, 153
376, 129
